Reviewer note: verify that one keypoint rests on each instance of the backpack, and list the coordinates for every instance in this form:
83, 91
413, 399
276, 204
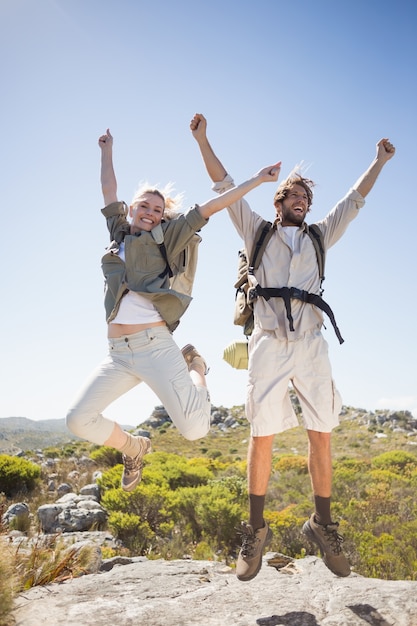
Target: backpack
246, 293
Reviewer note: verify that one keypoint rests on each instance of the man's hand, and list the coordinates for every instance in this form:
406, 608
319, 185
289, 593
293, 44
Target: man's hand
198, 126
106, 141
384, 150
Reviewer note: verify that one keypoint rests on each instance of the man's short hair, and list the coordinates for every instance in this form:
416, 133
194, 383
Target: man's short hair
287, 184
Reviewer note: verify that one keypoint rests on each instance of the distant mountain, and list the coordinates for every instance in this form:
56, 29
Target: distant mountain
229, 431
23, 423
19, 434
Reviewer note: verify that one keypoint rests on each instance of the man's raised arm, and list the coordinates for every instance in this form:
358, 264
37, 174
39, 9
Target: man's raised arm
214, 167
384, 152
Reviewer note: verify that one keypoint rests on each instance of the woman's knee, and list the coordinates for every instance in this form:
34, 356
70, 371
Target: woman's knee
196, 426
77, 423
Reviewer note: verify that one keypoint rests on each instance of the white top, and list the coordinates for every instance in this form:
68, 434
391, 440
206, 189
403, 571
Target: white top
134, 308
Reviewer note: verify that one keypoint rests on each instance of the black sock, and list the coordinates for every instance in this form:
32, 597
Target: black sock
256, 511
322, 510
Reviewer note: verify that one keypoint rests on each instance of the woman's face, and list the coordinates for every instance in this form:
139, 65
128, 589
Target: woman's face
147, 212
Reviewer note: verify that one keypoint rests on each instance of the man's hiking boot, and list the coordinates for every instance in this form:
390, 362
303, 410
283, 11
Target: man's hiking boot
250, 556
191, 356
330, 544
132, 471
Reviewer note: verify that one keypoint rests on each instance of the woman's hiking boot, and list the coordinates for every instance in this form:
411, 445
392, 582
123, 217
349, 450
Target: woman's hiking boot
133, 466
192, 357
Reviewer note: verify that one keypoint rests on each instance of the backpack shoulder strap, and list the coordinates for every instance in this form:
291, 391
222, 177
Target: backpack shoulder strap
316, 236
164, 254
263, 235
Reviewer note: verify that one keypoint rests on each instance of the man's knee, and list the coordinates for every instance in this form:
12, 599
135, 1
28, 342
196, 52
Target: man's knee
318, 438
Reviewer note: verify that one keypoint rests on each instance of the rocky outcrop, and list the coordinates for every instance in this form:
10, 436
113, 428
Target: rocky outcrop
72, 513
202, 593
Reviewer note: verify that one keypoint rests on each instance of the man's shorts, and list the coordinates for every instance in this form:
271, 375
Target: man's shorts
274, 364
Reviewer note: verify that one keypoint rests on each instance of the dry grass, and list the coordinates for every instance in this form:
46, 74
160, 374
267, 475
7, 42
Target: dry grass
38, 561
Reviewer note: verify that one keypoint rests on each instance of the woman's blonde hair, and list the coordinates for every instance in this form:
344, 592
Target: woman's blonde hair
172, 202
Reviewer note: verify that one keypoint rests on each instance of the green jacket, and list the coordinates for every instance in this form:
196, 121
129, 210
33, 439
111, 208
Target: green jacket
144, 265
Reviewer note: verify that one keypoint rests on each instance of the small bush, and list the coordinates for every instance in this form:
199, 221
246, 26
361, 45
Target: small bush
292, 462
17, 475
203, 552
107, 457
132, 531
215, 454
396, 461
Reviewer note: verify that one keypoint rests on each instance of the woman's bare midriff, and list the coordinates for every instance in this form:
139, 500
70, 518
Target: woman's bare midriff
120, 330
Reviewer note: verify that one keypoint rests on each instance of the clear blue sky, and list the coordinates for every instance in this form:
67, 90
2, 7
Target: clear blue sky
277, 80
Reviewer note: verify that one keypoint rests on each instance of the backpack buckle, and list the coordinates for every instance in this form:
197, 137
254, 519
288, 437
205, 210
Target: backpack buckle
299, 294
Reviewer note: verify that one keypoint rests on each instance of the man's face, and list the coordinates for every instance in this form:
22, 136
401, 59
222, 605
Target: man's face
146, 213
294, 207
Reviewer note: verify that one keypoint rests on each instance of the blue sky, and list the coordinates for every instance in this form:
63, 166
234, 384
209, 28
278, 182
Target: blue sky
277, 80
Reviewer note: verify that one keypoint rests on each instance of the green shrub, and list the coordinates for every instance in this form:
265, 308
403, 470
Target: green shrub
379, 557
396, 461
107, 457
17, 475
148, 502
209, 512
134, 533
177, 471
291, 462
286, 526
350, 477
203, 552
110, 479
218, 515
52, 452
215, 454
235, 485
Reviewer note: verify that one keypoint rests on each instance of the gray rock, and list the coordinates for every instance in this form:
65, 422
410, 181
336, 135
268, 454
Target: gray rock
91, 490
95, 559
63, 488
47, 515
90, 505
72, 499
108, 564
71, 513
204, 593
76, 520
140, 432
17, 513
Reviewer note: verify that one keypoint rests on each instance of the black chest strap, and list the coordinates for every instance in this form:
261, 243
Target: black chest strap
288, 293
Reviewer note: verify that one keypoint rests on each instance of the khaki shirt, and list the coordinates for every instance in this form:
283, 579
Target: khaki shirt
144, 262
283, 267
